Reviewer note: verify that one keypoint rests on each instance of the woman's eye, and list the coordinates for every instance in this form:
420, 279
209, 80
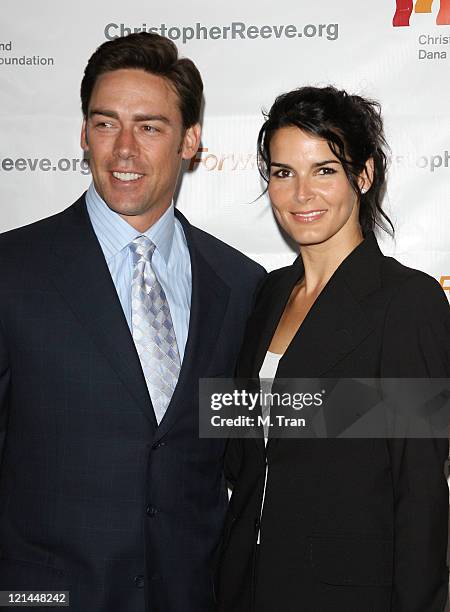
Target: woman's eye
281, 173
325, 170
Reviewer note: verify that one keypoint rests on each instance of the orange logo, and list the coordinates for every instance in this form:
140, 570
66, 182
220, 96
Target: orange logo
445, 283
231, 162
404, 10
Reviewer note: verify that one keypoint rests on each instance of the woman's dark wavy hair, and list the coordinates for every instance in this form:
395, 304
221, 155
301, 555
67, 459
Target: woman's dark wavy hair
353, 128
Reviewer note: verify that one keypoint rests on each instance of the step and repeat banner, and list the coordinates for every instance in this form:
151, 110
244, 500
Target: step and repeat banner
397, 52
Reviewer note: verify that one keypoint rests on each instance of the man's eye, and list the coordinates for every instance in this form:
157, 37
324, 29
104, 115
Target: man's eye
150, 128
104, 124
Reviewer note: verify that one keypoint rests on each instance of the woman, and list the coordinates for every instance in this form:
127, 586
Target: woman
356, 525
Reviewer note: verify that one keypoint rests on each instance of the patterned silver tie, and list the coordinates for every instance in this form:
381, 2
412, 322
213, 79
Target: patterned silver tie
152, 328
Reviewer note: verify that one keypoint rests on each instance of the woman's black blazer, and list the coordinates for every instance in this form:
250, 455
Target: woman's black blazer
356, 525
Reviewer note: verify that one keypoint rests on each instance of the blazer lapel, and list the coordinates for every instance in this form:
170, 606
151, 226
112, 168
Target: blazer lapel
81, 275
264, 321
333, 327
336, 323
210, 296
268, 314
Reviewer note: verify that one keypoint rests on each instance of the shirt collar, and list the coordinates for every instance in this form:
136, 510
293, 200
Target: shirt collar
115, 234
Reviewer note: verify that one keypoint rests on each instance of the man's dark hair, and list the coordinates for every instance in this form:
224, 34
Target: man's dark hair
352, 126
154, 54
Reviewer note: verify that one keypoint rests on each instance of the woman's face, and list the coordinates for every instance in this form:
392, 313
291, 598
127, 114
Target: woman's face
311, 196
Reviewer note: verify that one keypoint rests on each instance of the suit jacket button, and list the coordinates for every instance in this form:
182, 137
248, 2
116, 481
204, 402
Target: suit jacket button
151, 511
139, 581
158, 445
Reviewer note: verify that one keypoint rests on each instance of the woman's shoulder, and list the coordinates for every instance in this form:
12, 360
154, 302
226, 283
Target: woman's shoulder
409, 284
277, 278
417, 315
416, 325
280, 273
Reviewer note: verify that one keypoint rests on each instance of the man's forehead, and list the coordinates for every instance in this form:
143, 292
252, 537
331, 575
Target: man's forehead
129, 85
134, 77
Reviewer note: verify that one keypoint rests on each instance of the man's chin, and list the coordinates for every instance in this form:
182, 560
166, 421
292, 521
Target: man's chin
126, 209
125, 205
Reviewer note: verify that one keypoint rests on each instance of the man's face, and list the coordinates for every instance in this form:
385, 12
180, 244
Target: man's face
135, 140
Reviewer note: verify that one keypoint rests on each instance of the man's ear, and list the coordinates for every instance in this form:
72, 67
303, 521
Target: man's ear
365, 179
191, 141
84, 137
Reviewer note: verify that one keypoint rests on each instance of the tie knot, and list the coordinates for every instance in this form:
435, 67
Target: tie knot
142, 248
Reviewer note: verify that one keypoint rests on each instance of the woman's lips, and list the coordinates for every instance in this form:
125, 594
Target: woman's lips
309, 216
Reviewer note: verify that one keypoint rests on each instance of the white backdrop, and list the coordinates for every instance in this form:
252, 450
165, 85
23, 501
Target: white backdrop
247, 55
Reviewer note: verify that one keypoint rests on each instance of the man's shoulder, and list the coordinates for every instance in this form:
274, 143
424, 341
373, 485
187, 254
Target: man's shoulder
30, 234
230, 262
39, 232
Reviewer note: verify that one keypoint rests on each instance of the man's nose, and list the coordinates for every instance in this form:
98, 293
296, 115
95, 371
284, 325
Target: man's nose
126, 146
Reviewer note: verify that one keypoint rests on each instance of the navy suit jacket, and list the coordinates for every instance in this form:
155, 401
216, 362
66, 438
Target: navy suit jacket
95, 498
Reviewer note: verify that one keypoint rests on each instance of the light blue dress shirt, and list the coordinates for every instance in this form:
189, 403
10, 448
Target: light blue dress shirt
171, 260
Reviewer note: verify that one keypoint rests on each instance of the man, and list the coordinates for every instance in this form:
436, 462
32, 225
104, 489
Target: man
110, 312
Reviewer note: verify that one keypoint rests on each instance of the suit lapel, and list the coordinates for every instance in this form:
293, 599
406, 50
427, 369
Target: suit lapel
332, 328
81, 275
336, 323
210, 296
267, 317
263, 323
